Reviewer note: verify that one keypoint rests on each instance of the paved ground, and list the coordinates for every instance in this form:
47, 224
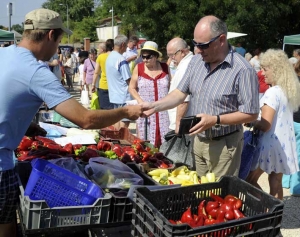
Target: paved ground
291, 212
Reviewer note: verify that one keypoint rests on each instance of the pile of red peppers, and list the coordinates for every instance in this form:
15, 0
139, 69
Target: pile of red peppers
213, 212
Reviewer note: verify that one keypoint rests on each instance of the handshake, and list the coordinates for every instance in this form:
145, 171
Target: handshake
135, 110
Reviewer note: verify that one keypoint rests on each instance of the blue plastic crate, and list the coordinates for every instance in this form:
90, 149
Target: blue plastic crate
60, 187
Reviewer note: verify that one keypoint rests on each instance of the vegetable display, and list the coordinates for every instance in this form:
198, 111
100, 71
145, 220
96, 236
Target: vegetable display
181, 175
45, 148
218, 210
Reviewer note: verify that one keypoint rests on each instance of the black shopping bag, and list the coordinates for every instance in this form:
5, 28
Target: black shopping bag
179, 149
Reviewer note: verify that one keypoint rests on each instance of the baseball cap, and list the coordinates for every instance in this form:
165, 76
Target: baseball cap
44, 19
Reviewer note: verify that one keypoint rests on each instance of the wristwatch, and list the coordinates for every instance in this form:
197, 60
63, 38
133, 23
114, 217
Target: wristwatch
218, 125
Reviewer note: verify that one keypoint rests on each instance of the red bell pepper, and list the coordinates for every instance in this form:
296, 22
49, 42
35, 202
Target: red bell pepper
92, 147
135, 141
44, 140
229, 215
211, 205
226, 207
201, 209
163, 165
145, 156
210, 221
200, 221
216, 198
118, 150
221, 216
238, 214
69, 148
238, 204
76, 146
25, 144
36, 144
188, 218
172, 222
213, 213
138, 147
103, 146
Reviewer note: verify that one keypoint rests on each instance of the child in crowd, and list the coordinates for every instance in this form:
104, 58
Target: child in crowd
80, 70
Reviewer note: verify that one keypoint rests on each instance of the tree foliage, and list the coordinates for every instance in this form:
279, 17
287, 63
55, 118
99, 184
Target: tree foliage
3, 27
18, 28
265, 21
79, 13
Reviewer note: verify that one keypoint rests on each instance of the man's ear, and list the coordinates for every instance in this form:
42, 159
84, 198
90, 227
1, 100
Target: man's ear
51, 35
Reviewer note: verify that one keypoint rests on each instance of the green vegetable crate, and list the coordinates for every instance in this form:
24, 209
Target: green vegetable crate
152, 210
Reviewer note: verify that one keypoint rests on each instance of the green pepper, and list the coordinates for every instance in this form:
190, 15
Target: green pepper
80, 150
111, 154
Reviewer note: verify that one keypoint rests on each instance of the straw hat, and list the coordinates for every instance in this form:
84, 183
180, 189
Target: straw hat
152, 46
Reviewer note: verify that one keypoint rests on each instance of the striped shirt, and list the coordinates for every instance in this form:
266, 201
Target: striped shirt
232, 86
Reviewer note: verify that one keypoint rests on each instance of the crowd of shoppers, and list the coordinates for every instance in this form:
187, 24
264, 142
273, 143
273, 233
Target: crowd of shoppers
216, 84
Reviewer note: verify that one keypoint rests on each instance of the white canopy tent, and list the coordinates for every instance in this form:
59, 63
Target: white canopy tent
231, 35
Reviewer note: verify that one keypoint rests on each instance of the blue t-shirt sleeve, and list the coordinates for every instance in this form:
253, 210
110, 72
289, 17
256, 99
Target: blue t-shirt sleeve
48, 88
124, 70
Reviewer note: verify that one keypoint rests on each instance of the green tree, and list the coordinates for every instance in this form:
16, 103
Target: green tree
17, 28
160, 21
80, 14
88, 24
3, 27
78, 9
265, 21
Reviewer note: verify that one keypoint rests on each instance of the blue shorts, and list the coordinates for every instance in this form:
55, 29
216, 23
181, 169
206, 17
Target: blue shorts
115, 106
9, 194
103, 97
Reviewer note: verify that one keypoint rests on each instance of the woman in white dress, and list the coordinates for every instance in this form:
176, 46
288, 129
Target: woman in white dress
277, 145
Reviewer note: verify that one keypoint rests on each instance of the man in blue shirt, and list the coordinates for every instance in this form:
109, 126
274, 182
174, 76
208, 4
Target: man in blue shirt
23, 91
131, 52
118, 76
239, 49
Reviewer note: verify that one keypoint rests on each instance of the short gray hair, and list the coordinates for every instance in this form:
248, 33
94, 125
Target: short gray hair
218, 27
120, 39
181, 44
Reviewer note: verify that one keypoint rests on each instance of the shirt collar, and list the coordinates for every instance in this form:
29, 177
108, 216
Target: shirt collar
190, 54
228, 59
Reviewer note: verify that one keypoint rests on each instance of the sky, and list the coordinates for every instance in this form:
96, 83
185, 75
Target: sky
20, 9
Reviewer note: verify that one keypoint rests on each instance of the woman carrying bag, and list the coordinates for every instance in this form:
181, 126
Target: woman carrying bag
277, 144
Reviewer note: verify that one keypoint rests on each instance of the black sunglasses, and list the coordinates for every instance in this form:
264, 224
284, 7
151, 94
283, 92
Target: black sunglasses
147, 56
205, 45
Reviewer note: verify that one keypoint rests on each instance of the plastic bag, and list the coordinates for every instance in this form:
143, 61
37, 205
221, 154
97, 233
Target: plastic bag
94, 101
112, 173
68, 163
84, 99
249, 153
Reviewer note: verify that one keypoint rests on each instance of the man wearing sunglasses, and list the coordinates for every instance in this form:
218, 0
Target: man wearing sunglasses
223, 89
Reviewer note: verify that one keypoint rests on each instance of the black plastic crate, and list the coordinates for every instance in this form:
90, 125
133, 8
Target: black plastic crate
153, 209
121, 207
